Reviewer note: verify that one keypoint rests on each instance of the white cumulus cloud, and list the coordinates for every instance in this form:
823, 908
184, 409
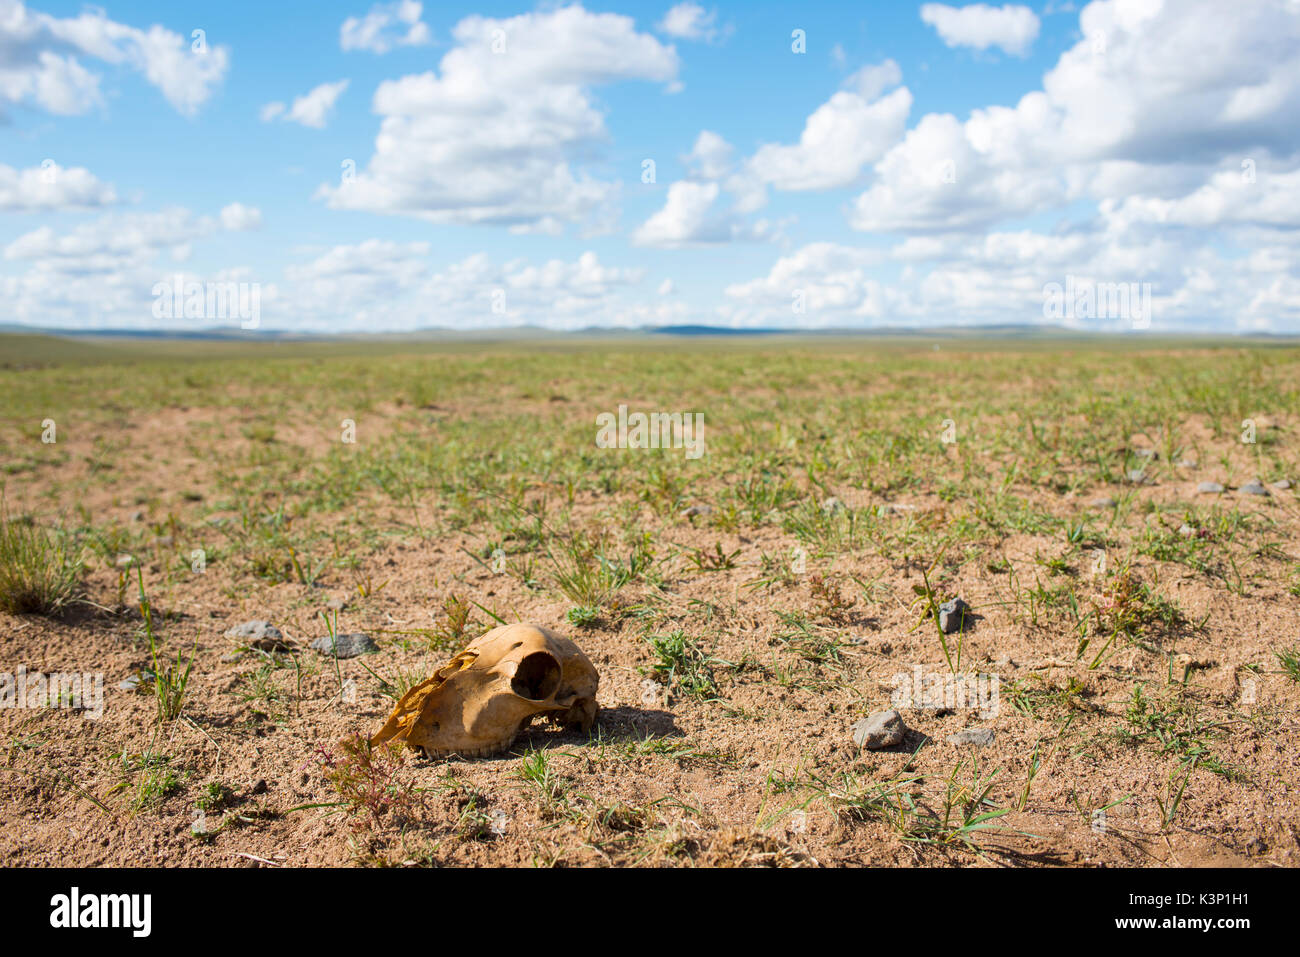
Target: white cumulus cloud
1011, 28
51, 187
41, 66
312, 109
386, 26
495, 135
690, 21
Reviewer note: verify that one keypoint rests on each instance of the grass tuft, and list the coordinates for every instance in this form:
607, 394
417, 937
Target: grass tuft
39, 574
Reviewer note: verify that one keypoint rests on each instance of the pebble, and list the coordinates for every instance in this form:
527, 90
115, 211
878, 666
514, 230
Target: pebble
953, 614
832, 506
254, 629
1209, 488
1137, 476
980, 737
1282, 484
261, 635
884, 729
697, 510
1186, 464
347, 645
1253, 488
1186, 530
1102, 501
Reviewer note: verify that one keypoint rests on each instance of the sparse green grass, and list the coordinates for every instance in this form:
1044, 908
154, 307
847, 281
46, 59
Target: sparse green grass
39, 572
1289, 659
682, 664
482, 460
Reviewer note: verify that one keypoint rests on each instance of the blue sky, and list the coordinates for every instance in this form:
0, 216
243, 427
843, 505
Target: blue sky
918, 164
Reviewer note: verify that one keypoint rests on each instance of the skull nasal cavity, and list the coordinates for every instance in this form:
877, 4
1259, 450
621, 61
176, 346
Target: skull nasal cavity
537, 677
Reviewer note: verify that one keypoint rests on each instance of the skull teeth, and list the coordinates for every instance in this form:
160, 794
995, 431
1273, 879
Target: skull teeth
485, 751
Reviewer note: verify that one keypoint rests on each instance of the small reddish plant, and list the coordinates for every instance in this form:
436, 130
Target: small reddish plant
831, 603
367, 779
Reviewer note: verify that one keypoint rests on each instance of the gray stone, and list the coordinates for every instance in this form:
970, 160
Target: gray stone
345, 646
1253, 488
1145, 453
254, 629
953, 615
980, 737
1186, 530
1102, 501
697, 510
884, 729
1283, 484
261, 635
1209, 488
1186, 463
1137, 476
832, 505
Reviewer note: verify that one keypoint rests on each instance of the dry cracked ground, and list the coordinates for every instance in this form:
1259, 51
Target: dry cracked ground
1133, 631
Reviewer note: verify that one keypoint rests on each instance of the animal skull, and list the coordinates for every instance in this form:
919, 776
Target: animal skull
479, 702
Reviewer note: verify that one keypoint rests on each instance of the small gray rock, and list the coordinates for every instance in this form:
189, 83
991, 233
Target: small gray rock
697, 510
1137, 476
832, 505
1186, 463
1283, 484
1186, 530
980, 737
346, 646
1102, 501
953, 615
1209, 488
1145, 453
1253, 488
261, 635
884, 729
254, 629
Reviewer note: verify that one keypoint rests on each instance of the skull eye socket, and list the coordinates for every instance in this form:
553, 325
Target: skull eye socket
537, 677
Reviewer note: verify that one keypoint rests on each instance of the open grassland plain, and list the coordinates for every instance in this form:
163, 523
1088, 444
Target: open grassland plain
1126, 679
